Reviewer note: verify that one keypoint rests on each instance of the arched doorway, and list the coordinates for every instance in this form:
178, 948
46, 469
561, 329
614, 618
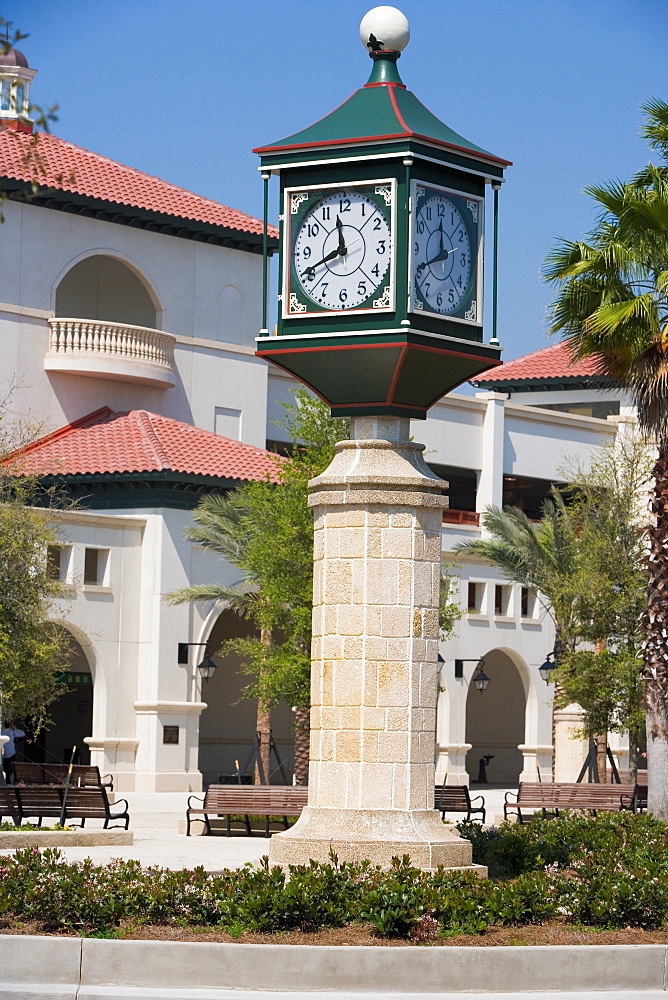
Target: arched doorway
495, 721
228, 722
71, 715
103, 287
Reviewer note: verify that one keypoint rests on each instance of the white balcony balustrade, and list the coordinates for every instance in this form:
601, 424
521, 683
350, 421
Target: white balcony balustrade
101, 349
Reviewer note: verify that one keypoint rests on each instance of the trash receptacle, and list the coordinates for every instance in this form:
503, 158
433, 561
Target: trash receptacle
235, 779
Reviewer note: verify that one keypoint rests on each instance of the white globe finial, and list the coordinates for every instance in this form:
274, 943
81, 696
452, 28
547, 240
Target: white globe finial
385, 28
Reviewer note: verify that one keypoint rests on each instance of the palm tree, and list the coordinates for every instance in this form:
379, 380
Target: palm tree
219, 527
612, 304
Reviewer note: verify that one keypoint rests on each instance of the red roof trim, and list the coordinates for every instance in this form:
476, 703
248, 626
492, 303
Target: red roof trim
398, 113
362, 347
378, 138
385, 83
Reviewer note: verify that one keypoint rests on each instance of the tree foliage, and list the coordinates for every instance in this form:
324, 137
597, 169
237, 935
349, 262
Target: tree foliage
612, 305
585, 561
33, 647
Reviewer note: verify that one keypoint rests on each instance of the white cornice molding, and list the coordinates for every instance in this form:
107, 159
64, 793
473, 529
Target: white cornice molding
14, 310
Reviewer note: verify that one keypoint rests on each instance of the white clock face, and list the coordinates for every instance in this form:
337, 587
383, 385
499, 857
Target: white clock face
343, 249
442, 258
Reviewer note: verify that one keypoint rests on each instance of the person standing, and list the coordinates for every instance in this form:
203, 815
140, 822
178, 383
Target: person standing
9, 748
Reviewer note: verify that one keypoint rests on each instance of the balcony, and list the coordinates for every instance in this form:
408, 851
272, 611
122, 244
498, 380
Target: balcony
101, 349
461, 517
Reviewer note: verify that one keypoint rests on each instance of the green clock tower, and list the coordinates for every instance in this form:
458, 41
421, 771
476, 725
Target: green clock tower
381, 246
381, 314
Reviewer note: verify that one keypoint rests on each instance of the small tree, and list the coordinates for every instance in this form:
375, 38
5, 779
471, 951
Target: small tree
584, 559
33, 648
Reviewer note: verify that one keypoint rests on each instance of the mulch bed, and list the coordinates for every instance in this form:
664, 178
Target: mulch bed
554, 932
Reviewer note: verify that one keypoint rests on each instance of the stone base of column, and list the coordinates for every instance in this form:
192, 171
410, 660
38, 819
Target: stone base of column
376, 835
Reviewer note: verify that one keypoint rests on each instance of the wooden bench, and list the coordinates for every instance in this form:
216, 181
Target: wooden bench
637, 802
552, 797
40, 802
246, 801
83, 775
456, 798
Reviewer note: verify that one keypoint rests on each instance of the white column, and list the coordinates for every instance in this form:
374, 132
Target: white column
490, 480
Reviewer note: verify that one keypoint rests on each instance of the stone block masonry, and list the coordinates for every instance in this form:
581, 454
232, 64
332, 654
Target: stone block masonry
377, 565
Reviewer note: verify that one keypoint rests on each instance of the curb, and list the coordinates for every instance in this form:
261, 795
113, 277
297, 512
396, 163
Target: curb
65, 838
37, 967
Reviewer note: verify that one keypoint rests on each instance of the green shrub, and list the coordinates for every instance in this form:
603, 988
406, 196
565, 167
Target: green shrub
610, 871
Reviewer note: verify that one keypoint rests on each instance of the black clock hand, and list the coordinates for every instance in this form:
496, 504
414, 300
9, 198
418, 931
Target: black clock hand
310, 270
342, 242
441, 255
440, 237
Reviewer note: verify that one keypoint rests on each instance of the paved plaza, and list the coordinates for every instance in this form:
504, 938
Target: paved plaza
155, 820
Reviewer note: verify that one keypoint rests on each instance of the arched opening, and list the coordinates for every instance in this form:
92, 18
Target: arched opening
227, 725
71, 715
495, 722
104, 288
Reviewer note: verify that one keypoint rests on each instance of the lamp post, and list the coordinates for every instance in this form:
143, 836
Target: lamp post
546, 669
206, 667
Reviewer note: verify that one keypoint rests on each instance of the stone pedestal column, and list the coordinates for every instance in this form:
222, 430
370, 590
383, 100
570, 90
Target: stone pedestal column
378, 515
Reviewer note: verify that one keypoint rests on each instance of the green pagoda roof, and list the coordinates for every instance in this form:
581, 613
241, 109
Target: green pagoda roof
381, 110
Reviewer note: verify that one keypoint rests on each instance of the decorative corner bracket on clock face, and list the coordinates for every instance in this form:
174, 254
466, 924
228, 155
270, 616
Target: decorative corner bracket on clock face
384, 301
295, 305
296, 200
473, 209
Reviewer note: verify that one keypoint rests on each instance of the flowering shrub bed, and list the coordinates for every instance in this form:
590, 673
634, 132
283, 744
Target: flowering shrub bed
608, 872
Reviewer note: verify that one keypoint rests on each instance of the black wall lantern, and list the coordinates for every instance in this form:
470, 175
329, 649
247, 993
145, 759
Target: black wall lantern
481, 680
546, 670
206, 668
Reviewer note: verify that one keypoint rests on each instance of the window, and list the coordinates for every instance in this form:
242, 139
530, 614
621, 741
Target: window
527, 603
53, 562
95, 567
4, 96
476, 594
501, 600
58, 561
20, 100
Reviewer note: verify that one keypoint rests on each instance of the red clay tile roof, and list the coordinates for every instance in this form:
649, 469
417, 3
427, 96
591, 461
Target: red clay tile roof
139, 441
552, 362
66, 167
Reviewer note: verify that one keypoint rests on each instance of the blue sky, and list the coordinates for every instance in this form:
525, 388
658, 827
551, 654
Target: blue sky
185, 91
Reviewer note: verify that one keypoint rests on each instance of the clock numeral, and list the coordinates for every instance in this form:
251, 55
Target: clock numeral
307, 252
363, 206
420, 226
378, 224
344, 205
381, 247
375, 271
417, 249
451, 297
441, 210
439, 299
426, 288
427, 213
459, 281
361, 289
343, 295
313, 229
462, 235
453, 220
463, 260
325, 213
323, 288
